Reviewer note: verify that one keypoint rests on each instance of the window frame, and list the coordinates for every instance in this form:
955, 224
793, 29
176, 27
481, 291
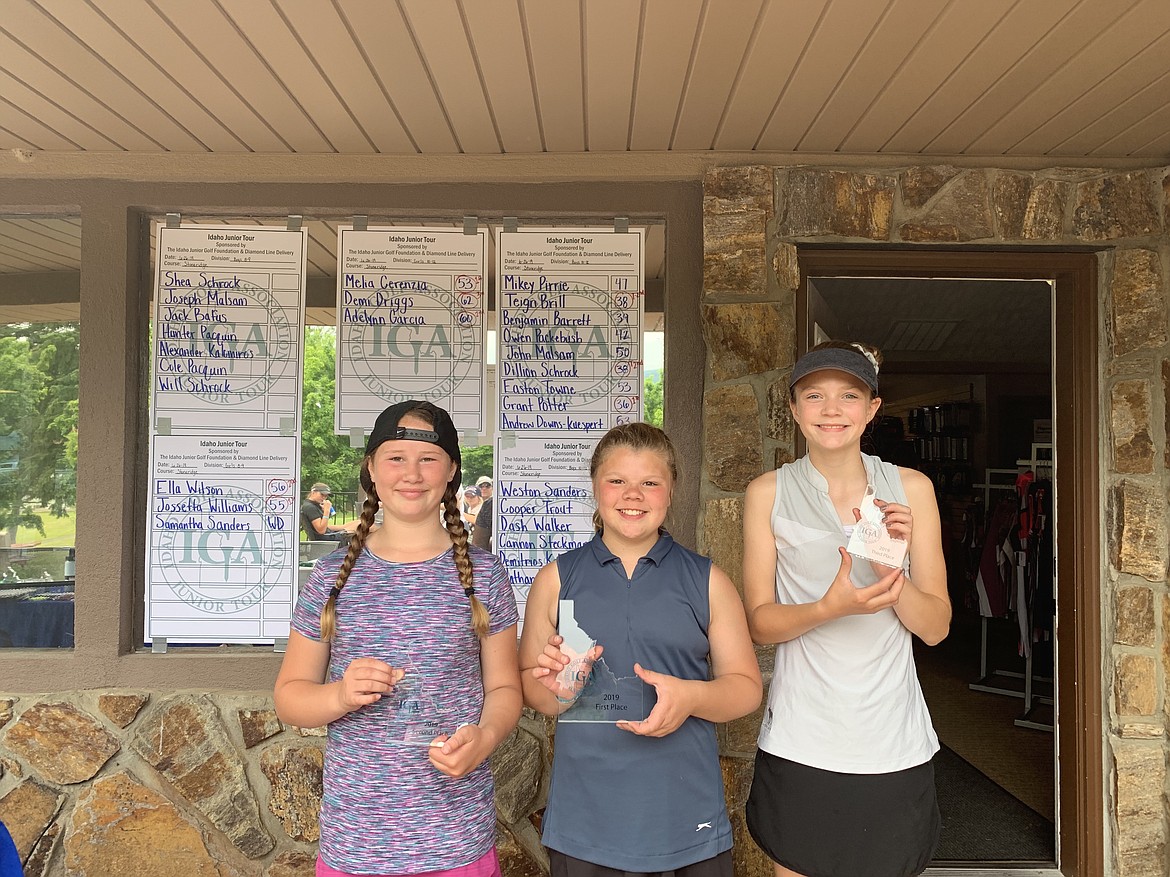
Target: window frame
115, 286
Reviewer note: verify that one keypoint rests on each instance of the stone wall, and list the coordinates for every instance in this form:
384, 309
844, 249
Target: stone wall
753, 219
185, 783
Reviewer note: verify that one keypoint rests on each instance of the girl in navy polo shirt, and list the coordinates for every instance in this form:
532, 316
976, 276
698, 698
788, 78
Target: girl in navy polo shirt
642, 795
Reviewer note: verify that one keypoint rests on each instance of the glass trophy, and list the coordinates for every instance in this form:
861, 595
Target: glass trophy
414, 718
871, 540
587, 685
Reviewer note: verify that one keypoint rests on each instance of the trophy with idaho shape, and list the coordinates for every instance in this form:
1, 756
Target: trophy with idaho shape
590, 690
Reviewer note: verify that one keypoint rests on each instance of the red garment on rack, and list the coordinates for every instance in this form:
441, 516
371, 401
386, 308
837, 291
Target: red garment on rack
1023, 485
994, 580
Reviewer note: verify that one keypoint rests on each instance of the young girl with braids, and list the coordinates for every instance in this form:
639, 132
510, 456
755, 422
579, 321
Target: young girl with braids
843, 783
413, 592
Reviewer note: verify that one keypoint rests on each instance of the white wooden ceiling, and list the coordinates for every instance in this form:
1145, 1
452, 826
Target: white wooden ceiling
1070, 79
41, 244
914, 321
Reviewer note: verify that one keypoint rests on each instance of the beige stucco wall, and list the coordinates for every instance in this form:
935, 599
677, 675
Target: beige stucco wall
81, 763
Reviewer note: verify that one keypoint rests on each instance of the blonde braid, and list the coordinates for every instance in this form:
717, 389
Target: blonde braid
480, 618
356, 542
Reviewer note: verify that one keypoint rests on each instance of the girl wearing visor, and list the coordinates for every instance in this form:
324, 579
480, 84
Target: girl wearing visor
844, 783
411, 606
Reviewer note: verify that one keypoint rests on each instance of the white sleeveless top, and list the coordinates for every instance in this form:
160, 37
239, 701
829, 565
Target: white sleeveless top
845, 695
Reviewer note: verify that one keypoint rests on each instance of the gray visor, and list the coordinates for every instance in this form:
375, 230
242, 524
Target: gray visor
851, 362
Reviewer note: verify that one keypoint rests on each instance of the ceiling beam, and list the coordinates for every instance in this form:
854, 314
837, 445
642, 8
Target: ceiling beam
48, 287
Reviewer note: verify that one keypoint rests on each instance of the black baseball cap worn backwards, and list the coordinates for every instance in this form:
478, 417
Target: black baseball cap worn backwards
442, 433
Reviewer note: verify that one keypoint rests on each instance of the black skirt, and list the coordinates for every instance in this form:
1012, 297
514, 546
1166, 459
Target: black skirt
819, 823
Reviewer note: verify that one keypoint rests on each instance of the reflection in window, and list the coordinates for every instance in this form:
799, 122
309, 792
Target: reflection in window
326, 458
38, 483
654, 376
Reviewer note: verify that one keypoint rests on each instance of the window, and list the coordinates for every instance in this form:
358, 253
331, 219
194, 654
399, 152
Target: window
330, 459
39, 369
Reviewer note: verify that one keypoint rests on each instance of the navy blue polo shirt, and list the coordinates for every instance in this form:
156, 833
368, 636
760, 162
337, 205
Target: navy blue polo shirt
616, 799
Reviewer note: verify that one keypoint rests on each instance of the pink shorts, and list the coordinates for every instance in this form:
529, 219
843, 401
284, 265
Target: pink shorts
487, 865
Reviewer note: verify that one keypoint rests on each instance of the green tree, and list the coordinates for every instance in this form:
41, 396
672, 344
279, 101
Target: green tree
652, 399
52, 474
38, 421
325, 456
477, 461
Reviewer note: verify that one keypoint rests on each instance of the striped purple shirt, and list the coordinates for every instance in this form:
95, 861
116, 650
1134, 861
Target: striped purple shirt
386, 809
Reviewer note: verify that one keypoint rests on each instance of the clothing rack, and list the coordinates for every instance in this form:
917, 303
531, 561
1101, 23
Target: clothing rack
1041, 461
1031, 688
990, 483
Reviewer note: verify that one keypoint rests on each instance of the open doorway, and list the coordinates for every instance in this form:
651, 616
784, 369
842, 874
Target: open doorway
967, 400
974, 348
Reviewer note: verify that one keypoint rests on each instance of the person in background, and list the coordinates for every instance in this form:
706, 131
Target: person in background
471, 503
484, 526
315, 513
644, 795
412, 591
484, 522
484, 485
844, 782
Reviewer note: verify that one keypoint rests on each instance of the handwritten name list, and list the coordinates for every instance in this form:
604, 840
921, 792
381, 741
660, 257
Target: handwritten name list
569, 329
227, 321
544, 503
222, 538
410, 323
569, 367
221, 552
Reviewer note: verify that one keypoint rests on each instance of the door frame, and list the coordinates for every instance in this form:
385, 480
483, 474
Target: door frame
1079, 730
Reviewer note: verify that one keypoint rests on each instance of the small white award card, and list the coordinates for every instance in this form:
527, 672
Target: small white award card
870, 538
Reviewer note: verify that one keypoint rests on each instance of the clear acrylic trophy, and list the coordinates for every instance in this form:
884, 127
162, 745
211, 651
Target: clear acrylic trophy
591, 690
871, 540
414, 718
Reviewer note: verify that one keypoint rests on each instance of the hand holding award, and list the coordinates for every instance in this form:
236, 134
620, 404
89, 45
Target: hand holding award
872, 539
569, 656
